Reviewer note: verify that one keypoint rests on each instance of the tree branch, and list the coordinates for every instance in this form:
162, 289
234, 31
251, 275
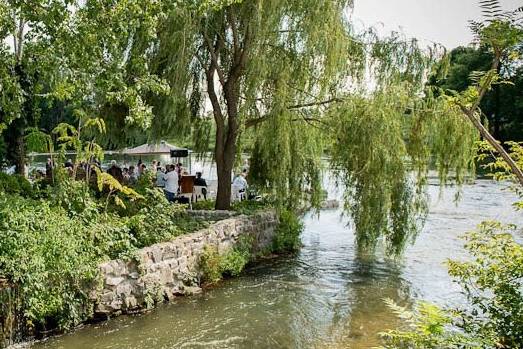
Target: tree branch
257, 121
493, 142
314, 104
214, 58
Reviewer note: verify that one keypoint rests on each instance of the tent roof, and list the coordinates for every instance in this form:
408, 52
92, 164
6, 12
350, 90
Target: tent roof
145, 149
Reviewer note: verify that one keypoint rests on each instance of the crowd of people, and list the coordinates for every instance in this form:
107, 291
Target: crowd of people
169, 178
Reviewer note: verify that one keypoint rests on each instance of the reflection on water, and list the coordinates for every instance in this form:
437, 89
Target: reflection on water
322, 298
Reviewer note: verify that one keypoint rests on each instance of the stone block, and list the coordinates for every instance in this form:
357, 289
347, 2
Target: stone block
130, 302
124, 289
113, 281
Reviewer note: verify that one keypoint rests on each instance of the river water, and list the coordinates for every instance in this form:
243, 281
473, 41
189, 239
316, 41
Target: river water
322, 298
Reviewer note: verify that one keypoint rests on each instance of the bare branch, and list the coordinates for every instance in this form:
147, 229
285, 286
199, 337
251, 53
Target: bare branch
314, 104
214, 58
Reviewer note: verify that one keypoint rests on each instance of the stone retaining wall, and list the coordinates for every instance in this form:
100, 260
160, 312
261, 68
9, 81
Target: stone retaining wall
166, 270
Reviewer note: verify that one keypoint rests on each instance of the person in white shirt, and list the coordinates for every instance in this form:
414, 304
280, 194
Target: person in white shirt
239, 186
160, 182
171, 184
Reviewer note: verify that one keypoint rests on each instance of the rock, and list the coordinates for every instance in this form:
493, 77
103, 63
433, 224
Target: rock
172, 268
124, 289
191, 290
113, 281
330, 204
130, 302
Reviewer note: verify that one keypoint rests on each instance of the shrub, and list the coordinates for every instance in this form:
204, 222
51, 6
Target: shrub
210, 262
50, 257
204, 205
249, 207
75, 197
493, 285
287, 238
214, 266
15, 184
158, 220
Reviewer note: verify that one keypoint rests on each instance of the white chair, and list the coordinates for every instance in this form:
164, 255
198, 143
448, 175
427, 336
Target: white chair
199, 192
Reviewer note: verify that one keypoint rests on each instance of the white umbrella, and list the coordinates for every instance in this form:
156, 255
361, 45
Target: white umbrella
147, 149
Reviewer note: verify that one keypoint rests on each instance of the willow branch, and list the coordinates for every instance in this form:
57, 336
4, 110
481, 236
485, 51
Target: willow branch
257, 121
315, 104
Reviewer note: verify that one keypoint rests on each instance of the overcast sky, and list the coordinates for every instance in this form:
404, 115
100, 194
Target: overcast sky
441, 21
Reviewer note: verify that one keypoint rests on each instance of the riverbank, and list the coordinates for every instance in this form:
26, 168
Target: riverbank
167, 270
156, 273
324, 297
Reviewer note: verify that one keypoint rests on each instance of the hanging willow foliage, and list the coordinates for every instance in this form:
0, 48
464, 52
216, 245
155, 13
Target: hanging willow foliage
379, 141
291, 80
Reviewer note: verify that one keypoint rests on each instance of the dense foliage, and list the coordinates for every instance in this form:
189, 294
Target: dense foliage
287, 238
50, 247
214, 266
493, 285
503, 105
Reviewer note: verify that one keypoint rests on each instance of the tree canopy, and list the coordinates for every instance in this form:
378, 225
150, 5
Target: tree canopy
503, 105
286, 81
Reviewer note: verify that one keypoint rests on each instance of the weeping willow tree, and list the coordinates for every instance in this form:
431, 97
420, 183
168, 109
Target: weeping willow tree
293, 78
251, 63
289, 77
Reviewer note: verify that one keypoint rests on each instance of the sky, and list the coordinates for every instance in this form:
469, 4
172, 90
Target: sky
440, 21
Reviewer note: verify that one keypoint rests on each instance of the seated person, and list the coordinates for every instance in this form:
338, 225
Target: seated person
200, 182
239, 186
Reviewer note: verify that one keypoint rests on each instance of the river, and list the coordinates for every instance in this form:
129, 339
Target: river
322, 298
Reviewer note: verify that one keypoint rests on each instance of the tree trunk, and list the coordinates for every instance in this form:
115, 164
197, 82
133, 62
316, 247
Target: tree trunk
20, 155
495, 144
223, 197
225, 154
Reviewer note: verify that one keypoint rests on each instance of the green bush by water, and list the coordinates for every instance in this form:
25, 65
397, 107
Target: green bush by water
215, 266
51, 247
287, 238
15, 184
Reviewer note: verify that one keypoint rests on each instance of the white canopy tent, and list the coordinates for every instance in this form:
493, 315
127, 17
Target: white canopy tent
152, 149
162, 148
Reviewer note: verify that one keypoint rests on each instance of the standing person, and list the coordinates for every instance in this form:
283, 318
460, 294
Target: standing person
49, 167
160, 182
126, 176
133, 176
154, 166
171, 183
115, 171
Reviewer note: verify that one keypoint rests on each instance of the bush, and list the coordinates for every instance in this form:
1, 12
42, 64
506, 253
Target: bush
210, 262
75, 197
287, 238
493, 285
207, 205
157, 220
15, 184
51, 257
249, 207
214, 266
